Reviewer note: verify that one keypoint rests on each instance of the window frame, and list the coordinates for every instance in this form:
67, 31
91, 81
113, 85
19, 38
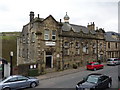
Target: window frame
53, 34
46, 33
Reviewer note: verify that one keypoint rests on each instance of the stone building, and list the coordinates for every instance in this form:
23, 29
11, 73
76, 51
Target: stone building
51, 45
112, 45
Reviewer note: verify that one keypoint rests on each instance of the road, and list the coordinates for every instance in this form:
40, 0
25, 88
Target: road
69, 81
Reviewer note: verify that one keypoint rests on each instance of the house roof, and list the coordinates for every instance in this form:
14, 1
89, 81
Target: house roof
112, 36
76, 28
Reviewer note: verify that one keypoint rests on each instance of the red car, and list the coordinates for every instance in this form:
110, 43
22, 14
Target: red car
94, 66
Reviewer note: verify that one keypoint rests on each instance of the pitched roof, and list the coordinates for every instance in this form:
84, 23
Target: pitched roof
77, 28
111, 36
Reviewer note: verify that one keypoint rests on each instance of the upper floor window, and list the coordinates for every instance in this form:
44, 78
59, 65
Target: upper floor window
33, 37
46, 34
66, 51
100, 45
66, 44
108, 44
53, 35
85, 48
116, 44
77, 45
77, 51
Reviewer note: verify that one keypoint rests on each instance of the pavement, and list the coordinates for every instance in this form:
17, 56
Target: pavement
60, 73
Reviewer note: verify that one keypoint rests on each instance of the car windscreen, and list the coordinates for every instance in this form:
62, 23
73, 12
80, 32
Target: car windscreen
109, 60
92, 79
89, 63
115, 59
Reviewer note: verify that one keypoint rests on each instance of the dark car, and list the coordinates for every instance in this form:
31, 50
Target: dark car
94, 81
18, 82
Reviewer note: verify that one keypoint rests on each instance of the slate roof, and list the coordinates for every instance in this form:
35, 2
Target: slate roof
77, 28
109, 36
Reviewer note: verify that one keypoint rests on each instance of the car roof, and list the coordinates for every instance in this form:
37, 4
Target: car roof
112, 58
12, 76
96, 74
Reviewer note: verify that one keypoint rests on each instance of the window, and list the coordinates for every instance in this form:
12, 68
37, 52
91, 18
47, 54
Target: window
23, 38
66, 52
108, 44
53, 35
85, 48
12, 80
33, 37
94, 48
22, 78
66, 44
116, 45
77, 45
100, 45
46, 35
77, 51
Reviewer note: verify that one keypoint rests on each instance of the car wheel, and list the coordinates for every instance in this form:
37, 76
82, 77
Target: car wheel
94, 69
6, 89
33, 84
102, 67
109, 85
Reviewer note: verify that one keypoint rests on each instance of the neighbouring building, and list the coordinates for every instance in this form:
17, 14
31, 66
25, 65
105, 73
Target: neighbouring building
51, 45
8, 43
112, 45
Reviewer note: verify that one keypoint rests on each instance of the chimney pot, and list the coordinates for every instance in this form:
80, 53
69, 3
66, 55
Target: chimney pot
31, 16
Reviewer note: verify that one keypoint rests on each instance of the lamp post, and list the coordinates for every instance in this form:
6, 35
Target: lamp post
11, 66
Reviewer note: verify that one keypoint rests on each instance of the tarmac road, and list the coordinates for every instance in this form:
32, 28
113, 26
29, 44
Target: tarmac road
70, 80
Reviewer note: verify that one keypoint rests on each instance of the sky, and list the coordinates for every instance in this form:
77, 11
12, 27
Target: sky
14, 14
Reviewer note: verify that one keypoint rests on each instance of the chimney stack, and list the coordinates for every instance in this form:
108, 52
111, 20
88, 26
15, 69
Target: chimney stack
31, 16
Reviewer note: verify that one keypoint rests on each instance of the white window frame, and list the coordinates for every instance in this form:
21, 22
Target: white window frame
53, 34
46, 34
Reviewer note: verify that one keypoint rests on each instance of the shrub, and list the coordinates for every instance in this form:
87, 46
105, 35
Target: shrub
74, 66
33, 72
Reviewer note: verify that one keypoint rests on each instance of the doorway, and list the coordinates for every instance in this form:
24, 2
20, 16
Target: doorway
49, 60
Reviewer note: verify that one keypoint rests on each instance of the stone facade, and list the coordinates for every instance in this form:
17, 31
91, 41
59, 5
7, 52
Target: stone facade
112, 45
54, 45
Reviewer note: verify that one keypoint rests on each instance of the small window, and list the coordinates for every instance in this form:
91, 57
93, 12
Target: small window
116, 45
53, 35
66, 44
77, 45
77, 51
66, 51
46, 35
108, 44
33, 37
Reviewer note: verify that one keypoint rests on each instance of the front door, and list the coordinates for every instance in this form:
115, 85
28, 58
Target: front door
48, 61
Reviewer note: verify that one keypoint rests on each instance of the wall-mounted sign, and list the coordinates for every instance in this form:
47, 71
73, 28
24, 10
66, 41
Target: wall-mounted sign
50, 43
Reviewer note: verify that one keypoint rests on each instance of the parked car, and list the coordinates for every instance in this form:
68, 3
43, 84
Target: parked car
18, 82
113, 61
95, 81
94, 66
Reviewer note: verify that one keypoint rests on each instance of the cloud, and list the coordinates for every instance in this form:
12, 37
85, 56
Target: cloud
15, 13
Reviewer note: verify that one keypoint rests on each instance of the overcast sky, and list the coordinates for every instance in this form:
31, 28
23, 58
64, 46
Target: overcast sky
15, 13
